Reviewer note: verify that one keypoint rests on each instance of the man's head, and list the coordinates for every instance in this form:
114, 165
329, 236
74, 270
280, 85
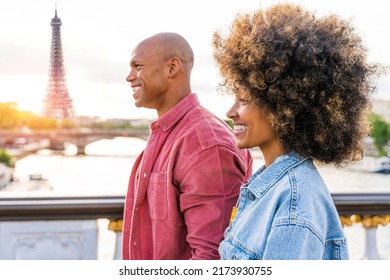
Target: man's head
160, 71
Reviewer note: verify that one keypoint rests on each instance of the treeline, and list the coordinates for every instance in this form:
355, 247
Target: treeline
12, 118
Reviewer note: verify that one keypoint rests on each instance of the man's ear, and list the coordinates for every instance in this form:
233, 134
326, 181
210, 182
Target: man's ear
174, 66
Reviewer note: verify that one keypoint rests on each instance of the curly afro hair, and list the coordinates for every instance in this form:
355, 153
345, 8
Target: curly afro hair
310, 74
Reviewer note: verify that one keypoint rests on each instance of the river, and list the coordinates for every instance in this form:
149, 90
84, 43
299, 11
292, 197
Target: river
105, 169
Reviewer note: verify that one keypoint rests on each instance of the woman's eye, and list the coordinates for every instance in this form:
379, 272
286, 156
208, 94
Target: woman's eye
243, 101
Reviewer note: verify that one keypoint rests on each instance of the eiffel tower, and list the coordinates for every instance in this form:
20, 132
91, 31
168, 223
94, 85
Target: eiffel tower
57, 103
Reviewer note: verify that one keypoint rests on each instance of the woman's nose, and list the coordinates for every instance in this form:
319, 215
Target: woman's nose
232, 112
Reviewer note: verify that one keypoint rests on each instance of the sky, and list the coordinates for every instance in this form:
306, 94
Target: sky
98, 37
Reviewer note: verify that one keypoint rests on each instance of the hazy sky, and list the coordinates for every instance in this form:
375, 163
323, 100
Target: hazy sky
99, 35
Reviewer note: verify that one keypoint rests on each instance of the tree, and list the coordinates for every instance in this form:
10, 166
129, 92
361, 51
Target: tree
6, 158
380, 133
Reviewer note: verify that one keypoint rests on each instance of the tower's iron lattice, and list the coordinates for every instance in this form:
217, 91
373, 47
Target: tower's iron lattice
57, 103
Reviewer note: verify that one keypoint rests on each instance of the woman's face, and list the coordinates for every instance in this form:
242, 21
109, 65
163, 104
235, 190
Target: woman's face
252, 127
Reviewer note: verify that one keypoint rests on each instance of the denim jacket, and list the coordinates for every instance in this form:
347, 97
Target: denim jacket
285, 211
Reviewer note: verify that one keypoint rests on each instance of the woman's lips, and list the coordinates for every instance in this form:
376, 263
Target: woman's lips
239, 129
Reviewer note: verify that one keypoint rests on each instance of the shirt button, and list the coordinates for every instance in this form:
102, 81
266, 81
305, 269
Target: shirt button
144, 175
165, 126
134, 243
251, 197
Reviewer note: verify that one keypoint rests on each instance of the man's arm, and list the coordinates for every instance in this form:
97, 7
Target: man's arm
209, 188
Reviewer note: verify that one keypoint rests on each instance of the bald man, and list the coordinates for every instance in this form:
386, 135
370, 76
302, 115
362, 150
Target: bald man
183, 186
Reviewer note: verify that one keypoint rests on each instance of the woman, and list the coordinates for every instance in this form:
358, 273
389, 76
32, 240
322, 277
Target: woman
301, 86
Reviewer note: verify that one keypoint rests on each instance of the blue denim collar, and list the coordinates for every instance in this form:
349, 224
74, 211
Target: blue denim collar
264, 178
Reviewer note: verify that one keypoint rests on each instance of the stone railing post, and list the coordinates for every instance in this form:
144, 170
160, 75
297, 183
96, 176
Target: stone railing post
116, 227
370, 224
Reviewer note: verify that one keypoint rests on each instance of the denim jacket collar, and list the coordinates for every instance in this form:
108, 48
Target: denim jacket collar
264, 178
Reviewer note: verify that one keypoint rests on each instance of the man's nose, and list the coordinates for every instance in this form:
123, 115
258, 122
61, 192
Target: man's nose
130, 77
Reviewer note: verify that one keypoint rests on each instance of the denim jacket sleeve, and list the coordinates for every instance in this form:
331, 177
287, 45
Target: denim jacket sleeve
298, 242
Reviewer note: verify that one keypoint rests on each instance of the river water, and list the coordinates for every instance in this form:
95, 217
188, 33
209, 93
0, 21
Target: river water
105, 170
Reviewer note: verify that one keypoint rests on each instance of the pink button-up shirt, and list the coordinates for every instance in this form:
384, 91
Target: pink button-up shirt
183, 186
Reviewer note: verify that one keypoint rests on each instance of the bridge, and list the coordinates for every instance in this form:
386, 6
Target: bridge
55, 139
370, 210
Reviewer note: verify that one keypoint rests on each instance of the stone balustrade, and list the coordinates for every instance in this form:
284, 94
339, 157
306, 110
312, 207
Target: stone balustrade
77, 215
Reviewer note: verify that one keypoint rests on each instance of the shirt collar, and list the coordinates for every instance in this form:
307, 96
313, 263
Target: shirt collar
170, 118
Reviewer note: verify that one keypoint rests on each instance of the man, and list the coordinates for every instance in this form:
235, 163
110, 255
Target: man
185, 183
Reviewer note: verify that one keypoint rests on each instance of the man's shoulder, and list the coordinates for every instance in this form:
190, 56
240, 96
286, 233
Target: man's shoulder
206, 126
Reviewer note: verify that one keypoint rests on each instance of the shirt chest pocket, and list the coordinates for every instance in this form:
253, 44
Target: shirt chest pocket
157, 196
230, 251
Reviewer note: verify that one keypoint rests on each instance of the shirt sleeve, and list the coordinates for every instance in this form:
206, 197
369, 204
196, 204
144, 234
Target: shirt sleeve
293, 242
209, 186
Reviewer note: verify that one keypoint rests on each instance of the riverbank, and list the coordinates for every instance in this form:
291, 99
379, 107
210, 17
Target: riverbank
25, 150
